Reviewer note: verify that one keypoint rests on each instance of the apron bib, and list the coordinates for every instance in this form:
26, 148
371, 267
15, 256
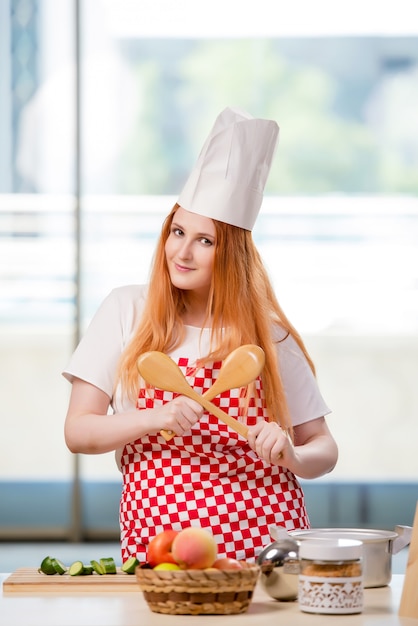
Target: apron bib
209, 477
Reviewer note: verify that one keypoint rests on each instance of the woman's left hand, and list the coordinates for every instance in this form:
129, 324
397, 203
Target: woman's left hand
313, 454
270, 442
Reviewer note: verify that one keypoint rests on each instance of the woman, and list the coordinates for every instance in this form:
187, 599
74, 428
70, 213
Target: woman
208, 294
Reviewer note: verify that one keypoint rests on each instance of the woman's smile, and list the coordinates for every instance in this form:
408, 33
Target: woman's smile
182, 268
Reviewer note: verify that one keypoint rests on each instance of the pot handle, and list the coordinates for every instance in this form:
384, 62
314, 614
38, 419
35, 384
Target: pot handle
403, 539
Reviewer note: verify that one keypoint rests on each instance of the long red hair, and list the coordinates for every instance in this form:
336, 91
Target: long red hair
241, 299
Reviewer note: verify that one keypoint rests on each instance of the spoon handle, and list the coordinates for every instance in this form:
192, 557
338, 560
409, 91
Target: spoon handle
224, 417
215, 410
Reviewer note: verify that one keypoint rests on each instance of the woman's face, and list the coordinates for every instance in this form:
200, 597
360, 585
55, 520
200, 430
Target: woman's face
190, 251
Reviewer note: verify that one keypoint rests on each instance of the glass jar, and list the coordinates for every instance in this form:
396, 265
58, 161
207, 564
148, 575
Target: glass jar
331, 576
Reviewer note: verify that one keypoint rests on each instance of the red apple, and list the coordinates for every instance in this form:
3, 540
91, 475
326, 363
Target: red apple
227, 563
159, 548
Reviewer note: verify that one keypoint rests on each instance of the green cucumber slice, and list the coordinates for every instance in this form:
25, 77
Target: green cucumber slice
76, 568
99, 569
59, 567
47, 567
108, 565
130, 565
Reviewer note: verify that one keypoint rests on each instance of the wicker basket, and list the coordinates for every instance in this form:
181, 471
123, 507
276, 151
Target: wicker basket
197, 592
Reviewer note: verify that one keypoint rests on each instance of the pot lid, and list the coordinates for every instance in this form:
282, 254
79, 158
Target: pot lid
366, 535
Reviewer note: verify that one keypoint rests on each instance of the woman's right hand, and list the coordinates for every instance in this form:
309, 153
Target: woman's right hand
177, 416
91, 429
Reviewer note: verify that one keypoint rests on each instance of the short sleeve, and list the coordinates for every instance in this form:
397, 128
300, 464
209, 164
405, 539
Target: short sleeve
303, 396
96, 357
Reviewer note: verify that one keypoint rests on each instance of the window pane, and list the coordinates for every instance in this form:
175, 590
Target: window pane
37, 249
338, 229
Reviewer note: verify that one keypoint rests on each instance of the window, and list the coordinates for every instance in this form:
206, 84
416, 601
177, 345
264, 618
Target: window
338, 229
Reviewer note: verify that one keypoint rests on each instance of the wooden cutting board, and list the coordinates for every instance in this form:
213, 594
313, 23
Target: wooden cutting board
28, 579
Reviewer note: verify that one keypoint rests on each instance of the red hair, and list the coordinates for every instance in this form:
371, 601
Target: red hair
241, 299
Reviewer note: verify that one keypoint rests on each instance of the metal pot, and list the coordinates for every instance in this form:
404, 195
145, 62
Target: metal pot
378, 547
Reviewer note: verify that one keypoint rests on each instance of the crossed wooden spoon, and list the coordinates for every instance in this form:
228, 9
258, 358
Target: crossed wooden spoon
240, 368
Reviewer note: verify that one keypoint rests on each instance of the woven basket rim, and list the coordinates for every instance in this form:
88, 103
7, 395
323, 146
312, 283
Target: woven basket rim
246, 569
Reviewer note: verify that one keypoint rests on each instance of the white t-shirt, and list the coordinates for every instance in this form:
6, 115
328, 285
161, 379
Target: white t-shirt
96, 357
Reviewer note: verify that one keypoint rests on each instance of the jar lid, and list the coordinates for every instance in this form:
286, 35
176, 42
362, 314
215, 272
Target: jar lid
330, 549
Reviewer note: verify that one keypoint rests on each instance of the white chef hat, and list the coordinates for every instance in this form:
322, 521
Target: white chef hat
228, 180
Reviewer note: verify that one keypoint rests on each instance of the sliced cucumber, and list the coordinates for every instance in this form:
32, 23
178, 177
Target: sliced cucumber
108, 565
59, 567
76, 568
99, 569
130, 565
51, 566
47, 567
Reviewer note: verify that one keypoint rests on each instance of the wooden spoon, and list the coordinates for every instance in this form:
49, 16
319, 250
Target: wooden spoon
241, 367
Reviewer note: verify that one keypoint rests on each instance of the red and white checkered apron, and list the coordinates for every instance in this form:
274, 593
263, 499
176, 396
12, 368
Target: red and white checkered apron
209, 477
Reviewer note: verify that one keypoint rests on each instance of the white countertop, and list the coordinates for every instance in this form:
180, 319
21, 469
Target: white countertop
130, 609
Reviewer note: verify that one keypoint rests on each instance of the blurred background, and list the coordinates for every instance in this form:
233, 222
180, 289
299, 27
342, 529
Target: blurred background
104, 105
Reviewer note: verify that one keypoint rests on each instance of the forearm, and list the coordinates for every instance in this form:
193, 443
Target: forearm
90, 429
313, 458
90, 433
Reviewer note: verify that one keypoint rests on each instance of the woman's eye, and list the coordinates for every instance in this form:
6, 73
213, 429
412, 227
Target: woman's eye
178, 231
206, 242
